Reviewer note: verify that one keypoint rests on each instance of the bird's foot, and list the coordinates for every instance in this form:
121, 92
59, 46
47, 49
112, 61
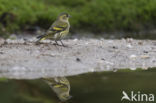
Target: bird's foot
56, 44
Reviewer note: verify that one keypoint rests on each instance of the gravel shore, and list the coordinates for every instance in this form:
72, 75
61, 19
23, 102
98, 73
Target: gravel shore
21, 59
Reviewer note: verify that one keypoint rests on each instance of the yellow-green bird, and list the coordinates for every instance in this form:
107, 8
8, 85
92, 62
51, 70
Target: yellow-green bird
58, 30
60, 86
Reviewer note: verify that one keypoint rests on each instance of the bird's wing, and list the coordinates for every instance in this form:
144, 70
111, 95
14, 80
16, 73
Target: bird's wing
58, 26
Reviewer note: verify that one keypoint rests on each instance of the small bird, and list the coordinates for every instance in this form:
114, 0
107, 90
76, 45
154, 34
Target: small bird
58, 30
60, 86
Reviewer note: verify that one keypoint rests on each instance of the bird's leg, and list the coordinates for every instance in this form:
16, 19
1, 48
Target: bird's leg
56, 42
60, 40
62, 43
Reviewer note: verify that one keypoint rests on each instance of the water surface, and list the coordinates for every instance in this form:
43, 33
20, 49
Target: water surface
101, 87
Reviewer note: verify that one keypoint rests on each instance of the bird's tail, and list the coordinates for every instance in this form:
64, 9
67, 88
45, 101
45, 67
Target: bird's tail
41, 37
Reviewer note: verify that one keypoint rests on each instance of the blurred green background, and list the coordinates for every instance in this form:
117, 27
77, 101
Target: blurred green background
102, 87
96, 16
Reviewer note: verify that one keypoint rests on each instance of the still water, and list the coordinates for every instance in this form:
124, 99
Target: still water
101, 87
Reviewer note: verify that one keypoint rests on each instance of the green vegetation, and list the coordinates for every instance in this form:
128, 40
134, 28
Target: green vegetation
88, 15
